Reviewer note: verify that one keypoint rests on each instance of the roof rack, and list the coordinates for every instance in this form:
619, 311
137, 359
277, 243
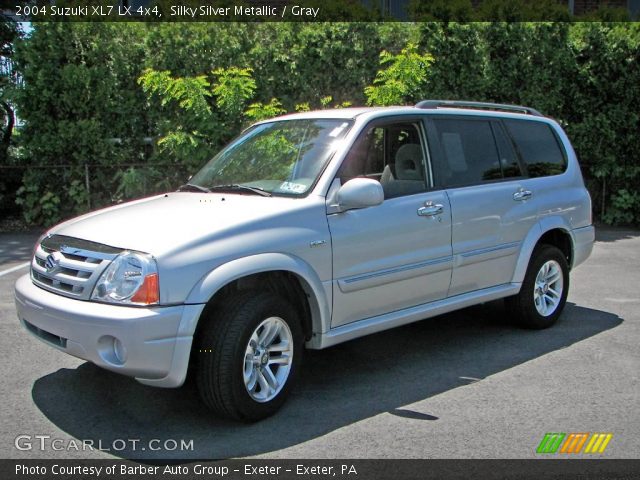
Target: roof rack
433, 104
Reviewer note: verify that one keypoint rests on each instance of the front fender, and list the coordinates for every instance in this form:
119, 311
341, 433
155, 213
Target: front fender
211, 283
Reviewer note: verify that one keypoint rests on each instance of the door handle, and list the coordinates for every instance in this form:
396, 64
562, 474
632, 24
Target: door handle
430, 209
522, 194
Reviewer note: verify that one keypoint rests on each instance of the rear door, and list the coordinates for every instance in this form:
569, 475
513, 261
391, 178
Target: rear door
545, 162
491, 211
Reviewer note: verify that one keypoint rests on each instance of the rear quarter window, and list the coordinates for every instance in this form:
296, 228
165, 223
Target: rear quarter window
538, 147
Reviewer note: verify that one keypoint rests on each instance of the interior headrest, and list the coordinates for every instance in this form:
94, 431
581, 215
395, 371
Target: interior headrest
409, 162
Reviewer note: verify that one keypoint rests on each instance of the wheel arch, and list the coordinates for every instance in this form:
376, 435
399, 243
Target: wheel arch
287, 275
550, 230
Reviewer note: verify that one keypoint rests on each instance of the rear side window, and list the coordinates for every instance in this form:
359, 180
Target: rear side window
469, 150
538, 147
508, 157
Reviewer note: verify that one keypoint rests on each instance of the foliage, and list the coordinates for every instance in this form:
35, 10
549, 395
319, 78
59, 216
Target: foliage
185, 102
9, 34
585, 75
79, 196
299, 62
460, 55
234, 87
401, 80
604, 118
36, 203
199, 110
79, 95
624, 208
191, 87
325, 102
261, 111
189, 93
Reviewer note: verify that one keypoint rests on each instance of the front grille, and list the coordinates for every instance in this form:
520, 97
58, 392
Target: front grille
78, 265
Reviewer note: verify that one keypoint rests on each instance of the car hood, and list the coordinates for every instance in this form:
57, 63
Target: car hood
167, 223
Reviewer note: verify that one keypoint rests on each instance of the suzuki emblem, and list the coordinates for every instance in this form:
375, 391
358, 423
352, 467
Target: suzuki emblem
53, 261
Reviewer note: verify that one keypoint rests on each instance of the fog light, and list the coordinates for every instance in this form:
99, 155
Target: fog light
119, 351
112, 350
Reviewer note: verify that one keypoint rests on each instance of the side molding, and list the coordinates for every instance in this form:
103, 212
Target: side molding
265, 262
409, 315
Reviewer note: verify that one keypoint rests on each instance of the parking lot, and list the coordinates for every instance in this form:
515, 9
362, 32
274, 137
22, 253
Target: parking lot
463, 385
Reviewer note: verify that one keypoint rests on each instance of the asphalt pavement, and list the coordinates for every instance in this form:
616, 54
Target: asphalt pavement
462, 385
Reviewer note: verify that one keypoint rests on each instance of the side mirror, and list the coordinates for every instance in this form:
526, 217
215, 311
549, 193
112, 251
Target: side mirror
360, 193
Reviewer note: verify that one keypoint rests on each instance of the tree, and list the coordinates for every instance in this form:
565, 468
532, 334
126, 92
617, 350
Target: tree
402, 78
9, 33
81, 105
201, 112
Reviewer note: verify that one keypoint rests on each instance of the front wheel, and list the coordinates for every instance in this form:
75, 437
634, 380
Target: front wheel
544, 289
249, 355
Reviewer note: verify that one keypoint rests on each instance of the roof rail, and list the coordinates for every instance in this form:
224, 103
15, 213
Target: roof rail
433, 104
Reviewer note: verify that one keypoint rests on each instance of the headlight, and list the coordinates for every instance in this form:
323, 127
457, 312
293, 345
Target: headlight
131, 278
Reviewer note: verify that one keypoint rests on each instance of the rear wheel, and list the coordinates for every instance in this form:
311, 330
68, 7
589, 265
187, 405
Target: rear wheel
249, 355
544, 289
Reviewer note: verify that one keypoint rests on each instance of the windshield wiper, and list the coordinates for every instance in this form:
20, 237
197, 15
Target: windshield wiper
192, 187
237, 186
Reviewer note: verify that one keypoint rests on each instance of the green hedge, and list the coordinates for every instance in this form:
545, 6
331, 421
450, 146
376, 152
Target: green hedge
586, 75
93, 92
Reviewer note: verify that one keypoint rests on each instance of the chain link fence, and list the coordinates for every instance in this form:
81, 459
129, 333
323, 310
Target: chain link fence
104, 184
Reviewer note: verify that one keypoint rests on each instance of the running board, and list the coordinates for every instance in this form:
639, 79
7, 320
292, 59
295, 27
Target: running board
409, 315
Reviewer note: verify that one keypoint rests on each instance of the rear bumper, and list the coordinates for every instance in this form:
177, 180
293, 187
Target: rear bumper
149, 347
583, 239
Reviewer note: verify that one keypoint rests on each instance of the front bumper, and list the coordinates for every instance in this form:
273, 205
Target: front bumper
156, 343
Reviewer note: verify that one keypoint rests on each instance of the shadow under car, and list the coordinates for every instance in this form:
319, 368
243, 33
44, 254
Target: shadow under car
337, 387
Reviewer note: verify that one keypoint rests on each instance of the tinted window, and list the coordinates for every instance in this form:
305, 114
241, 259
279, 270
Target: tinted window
391, 154
508, 158
537, 146
470, 152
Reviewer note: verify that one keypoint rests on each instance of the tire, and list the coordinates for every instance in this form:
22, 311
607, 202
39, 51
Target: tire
244, 328
544, 290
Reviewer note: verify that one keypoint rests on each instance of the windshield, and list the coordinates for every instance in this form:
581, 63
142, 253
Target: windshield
282, 157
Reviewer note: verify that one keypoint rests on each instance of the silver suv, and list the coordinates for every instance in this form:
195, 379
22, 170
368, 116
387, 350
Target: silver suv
310, 230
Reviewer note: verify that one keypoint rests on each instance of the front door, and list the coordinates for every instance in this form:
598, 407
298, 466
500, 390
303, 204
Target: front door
397, 254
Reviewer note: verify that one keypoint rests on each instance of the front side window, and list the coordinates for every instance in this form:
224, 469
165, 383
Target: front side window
538, 147
392, 154
283, 157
